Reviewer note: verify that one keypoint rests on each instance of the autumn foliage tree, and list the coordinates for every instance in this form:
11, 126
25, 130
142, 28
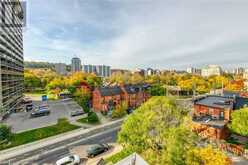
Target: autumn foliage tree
239, 122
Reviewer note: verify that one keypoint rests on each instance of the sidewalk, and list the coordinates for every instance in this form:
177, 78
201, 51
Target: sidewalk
83, 133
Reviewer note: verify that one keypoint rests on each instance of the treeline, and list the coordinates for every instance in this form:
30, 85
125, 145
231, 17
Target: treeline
36, 65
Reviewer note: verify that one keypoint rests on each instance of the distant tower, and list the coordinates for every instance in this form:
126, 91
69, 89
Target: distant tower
75, 64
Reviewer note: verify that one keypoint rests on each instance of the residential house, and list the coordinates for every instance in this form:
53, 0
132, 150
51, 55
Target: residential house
106, 98
211, 115
135, 95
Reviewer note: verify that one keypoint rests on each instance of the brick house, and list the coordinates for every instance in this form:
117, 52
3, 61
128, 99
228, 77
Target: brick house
135, 95
211, 115
105, 98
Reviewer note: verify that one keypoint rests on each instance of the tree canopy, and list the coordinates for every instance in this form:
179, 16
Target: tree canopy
239, 122
160, 131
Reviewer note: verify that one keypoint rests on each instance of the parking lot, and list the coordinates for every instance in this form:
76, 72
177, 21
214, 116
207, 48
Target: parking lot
21, 121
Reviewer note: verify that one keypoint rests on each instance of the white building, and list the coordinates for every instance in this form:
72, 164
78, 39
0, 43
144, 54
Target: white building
194, 71
238, 71
75, 64
99, 70
211, 70
245, 74
60, 68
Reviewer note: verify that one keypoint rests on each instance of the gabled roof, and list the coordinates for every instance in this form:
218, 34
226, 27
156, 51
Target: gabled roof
216, 102
110, 91
132, 89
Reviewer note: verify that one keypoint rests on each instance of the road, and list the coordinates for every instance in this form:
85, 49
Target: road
49, 154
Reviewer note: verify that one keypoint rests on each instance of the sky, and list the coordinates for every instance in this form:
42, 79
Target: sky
128, 34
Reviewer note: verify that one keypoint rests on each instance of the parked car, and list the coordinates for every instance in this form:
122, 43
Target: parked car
77, 113
69, 160
43, 106
97, 149
39, 113
29, 107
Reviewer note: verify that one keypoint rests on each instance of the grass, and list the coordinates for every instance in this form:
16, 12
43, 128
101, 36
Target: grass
118, 156
40, 133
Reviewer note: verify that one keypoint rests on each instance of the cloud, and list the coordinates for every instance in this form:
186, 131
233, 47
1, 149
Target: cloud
139, 33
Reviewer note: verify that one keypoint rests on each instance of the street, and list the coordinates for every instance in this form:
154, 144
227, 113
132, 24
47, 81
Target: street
50, 154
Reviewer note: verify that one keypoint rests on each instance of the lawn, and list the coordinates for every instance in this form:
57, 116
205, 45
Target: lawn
118, 156
40, 133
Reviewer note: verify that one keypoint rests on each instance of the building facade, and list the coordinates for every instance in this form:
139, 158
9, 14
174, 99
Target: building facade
60, 68
212, 113
211, 70
99, 70
11, 61
193, 71
76, 65
107, 98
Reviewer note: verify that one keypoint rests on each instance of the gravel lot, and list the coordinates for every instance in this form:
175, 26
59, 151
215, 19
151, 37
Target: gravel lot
59, 109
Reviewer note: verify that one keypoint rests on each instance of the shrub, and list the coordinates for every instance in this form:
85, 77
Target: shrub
5, 132
62, 121
92, 117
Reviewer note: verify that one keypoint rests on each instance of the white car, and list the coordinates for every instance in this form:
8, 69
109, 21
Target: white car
69, 160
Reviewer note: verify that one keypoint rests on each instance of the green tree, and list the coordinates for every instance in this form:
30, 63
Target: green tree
120, 110
239, 122
159, 130
5, 132
157, 90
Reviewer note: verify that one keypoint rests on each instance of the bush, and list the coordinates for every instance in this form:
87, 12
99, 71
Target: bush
5, 132
92, 117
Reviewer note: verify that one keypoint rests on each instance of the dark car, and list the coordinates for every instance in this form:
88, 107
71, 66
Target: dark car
77, 113
29, 107
40, 113
97, 149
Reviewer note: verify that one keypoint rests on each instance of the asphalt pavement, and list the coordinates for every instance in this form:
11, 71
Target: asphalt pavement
50, 154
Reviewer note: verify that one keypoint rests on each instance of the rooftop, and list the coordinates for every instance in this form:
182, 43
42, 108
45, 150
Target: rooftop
216, 102
207, 120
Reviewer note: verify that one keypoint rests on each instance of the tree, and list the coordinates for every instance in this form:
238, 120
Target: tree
239, 122
159, 131
5, 132
92, 117
157, 90
120, 110
207, 156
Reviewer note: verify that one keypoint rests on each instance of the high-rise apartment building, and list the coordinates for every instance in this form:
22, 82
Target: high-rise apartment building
99, 70
11, 57
76, 64
194, 71
211, 70
60, 68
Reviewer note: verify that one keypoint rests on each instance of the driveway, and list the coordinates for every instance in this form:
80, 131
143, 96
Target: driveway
59, 109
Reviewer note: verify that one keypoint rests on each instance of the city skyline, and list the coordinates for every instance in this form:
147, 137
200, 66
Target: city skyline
119, 33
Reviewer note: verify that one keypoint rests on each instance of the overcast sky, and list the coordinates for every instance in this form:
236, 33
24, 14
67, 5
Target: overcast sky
138, 33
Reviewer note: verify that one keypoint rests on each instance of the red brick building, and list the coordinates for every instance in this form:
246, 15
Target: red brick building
211, 115
105, 98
